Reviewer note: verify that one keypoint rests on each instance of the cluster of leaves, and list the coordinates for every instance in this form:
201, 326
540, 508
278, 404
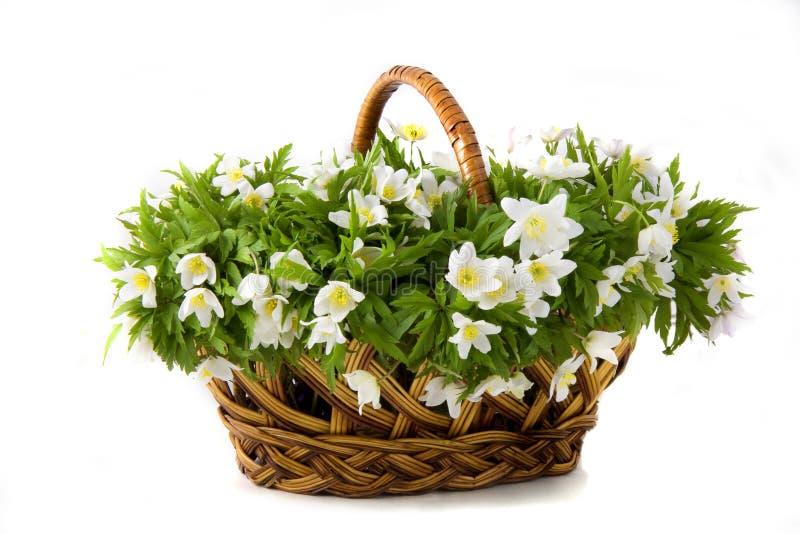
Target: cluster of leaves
408, 306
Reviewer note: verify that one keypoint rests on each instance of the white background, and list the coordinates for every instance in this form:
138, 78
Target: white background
97, 97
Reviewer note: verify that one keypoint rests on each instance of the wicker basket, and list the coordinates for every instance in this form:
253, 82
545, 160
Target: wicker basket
405, 447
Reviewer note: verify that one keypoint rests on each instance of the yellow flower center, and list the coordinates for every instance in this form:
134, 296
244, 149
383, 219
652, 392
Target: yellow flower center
198, 301
418, 196
638, 163
389, 192
141, 281
467, 277
470, 333
567, 380
340, 296
205, 373
538, 271
270, 306
197, 265
414, 132
674, 231
234, 175
535, 226
254, 200
367, 214
676, 211
500, 290
632, 271
566, 162
434, 200
723, 284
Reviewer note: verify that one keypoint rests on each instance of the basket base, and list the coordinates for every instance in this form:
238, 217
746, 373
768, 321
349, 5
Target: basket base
405, 448
346, 467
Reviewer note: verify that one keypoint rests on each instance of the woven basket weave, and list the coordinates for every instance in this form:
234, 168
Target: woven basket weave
405, 447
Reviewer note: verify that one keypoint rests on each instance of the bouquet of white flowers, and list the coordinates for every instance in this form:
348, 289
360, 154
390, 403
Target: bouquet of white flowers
370, 293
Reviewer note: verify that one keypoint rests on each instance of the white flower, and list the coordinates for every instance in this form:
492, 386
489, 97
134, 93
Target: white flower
364, 256
317, 177
641, 161
664, 271
290, 329
518, 384
195, 269
542, 274
294, 256
201, 302
253, 285
534, 307
472, 334
258, 197
634, 269
232, 176
681, 205
392, 185
555, 134
504, 273
410, 132
432, 190
270, 307
725, 323
418, 205
367, 387
471, 275
265, 332
369, 210
139, 282
557, 167
665, 191
657, 239
325, 330
428, 196
541, 228
494, 385
215, 367
607, 293
337, 299
437, 392
599, 344
613, 148
564, 377
723, 284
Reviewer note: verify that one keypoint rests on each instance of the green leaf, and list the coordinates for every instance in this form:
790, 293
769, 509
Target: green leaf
111, 337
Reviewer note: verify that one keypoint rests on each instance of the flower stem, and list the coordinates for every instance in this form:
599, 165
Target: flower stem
255, 260
390, 371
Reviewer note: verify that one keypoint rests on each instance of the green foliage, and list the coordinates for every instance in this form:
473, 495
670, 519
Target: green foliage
407, 310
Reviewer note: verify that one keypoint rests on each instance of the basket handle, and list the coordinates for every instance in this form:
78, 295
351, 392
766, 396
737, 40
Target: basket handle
456, 125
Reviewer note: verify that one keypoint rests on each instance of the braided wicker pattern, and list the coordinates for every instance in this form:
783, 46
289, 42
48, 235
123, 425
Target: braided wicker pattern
405, 447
